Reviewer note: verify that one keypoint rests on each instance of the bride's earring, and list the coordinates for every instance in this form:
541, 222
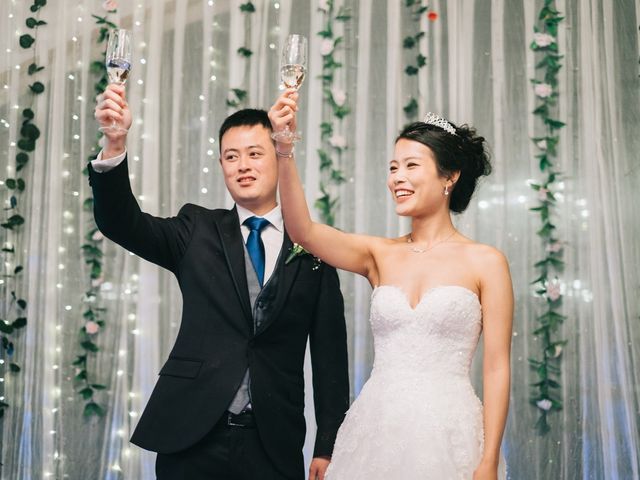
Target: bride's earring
446, 190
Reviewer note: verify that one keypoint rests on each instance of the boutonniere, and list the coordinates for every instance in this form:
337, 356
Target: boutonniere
297, 251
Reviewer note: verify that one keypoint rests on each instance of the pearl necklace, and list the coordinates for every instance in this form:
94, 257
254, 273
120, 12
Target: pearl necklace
415, 249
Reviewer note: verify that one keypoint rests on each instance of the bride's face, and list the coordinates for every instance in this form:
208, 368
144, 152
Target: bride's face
413, 180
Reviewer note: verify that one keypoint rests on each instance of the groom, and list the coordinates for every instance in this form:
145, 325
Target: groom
229, 401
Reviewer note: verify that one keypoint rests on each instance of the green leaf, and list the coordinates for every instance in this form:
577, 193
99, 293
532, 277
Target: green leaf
411, 70
326, 130
37, 87
86, 393
28, 114
421, 60
247, 7
80, 360
26, 40
408, 42
33, 69
90, 346
5, 327
245, 52
411, 108
21, 185
10, 183
87, 205
20, 322
21, 160
30, 131
82, 375
97, 386
26, 144
31, 22
18, 269
14, 367
22, 303
93, 408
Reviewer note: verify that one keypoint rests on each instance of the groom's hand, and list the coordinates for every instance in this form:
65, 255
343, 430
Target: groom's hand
318, 468
112, 106
283, 112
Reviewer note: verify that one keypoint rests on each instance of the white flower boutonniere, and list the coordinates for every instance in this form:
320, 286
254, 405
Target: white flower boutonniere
297, 251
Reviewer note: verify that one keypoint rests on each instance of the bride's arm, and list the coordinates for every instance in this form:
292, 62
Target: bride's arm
497, 315
342, 250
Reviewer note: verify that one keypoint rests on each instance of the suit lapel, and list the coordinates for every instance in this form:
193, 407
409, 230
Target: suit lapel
287, 274
233, 246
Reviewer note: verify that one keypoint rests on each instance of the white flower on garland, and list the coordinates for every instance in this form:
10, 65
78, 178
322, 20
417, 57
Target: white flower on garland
543, 90
339, 96
96, 282
97, 236
553, 291
323, 5
557, 351
338, 141
109, 5
543, 39
542, 144
544, 404
326, 47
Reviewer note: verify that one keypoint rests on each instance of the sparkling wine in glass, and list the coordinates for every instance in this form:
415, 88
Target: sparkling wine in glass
118, 60
293, 67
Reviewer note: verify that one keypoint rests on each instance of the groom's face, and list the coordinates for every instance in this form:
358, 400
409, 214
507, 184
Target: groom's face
249, 164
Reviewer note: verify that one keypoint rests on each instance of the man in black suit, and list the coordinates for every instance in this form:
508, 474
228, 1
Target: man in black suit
229, 403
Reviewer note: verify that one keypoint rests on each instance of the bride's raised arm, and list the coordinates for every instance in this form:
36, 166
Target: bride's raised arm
342, 250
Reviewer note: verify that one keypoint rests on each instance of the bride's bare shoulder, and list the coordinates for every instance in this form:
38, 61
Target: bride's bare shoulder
485, 257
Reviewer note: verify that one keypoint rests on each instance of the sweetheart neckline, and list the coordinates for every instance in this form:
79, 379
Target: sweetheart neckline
426, 293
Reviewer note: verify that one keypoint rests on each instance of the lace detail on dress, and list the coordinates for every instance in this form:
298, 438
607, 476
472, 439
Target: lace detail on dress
417, 417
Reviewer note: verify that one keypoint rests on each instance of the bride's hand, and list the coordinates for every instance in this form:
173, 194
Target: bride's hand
283, 112
486, 471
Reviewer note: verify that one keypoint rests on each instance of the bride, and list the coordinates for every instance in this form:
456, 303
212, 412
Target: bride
435, 292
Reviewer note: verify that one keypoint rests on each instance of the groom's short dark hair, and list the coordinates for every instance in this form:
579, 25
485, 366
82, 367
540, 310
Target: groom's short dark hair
247, 117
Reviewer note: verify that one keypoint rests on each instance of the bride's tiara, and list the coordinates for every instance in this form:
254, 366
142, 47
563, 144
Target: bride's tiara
438, 121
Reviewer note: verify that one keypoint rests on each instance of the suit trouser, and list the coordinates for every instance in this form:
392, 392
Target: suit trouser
225, 453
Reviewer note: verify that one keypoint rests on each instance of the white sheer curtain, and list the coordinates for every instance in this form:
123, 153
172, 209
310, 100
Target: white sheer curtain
478, 71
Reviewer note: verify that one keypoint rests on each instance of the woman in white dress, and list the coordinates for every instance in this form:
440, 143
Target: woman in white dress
435, 292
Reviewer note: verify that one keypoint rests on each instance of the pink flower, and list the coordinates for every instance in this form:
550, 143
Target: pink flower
97, 236
553, 291
109, 5
96, 282
338, 141
339, 96
544, 404
543, 39
543, 90
554, 247
542, 193
91, 327
326, 47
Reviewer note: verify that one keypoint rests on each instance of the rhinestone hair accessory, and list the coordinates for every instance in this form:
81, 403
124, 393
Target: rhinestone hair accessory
433, 119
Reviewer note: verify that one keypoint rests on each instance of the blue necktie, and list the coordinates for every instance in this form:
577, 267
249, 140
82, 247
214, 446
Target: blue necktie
255, 247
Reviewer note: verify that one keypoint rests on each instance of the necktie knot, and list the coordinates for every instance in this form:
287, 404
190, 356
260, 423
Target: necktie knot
256, 224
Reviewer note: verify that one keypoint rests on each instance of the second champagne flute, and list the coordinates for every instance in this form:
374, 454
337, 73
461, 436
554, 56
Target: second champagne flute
293, 67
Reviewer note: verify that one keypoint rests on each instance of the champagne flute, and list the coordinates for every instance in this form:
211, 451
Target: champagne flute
293, 67
118, 60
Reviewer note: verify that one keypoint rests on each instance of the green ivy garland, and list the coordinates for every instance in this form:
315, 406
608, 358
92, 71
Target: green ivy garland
92, 252
16, 307
416, 9
237, 95
336, 100
546, 395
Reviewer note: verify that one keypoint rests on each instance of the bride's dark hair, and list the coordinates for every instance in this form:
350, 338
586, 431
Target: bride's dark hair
464, 152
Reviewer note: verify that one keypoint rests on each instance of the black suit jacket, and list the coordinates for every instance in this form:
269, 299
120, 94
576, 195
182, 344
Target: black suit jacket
216, 341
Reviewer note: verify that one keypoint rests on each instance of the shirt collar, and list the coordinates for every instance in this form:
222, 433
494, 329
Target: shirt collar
274, 216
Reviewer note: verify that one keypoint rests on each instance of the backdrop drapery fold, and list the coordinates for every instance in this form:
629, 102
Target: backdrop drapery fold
185, 63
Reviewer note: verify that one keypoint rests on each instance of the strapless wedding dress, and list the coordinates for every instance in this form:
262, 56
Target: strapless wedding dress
417, 417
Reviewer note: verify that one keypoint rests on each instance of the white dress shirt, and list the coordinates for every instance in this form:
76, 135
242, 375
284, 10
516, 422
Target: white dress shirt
272, 235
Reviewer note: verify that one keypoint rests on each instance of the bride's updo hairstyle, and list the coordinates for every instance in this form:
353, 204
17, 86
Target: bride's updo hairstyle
456, 149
